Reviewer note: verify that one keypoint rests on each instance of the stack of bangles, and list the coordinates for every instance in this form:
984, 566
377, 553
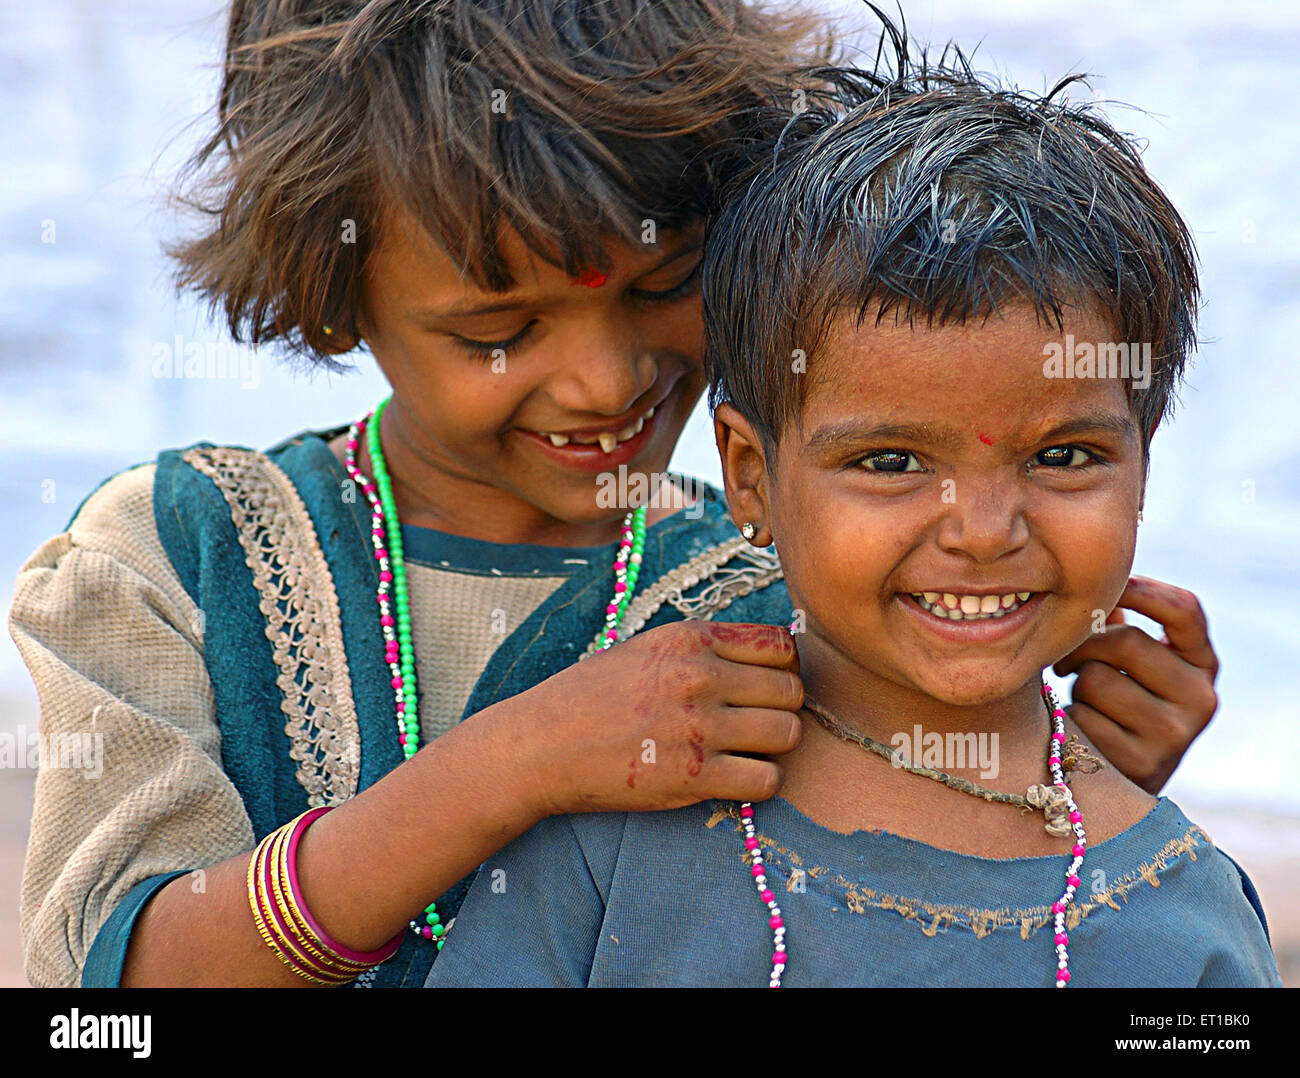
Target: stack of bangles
284, 922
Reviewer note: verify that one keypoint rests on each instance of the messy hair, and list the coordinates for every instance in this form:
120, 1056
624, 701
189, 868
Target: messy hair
566, 121
931, 193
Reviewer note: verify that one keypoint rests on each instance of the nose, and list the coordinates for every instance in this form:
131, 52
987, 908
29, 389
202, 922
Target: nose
983, 519
604, 374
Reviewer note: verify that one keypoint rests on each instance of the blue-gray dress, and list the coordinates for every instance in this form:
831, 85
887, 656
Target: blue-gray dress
666, 898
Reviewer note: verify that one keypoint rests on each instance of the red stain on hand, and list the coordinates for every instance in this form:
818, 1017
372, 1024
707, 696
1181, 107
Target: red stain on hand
631, 774
696, 740
985, 438
758, 637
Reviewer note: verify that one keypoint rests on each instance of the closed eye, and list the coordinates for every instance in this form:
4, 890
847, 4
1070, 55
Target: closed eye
679, 291
486, 349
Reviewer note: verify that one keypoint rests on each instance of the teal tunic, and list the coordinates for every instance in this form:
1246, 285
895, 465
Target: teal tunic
195, 525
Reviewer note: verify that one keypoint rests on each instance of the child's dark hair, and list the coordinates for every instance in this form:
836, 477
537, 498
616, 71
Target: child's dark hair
933, 193
569, 122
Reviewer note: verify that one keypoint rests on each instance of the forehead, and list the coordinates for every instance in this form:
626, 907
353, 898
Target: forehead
408, 261
984, 369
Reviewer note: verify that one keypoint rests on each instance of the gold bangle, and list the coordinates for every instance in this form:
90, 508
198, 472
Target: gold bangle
323, 969
282, 891
306, 948
259, 920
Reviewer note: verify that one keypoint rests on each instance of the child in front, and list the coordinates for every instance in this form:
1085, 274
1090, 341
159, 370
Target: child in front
884, 293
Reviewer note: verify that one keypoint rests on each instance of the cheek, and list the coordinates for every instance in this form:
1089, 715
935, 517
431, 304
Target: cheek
1095, 550
838, 551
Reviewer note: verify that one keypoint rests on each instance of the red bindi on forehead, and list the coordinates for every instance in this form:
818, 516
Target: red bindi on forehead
589, 278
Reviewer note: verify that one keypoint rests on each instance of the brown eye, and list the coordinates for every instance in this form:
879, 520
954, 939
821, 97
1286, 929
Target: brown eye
891, 460
1063, 456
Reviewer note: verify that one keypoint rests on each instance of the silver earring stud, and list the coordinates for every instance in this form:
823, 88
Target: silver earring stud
1139, 518
748, 530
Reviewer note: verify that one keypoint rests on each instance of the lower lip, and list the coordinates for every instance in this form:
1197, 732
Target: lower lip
984, 631
591, 458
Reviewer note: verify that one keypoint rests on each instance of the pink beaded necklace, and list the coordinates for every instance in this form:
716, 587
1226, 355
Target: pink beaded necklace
399, 651
777, 923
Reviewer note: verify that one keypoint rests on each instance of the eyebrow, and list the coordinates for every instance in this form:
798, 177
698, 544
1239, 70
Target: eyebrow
850, 433
836, 435
470, 308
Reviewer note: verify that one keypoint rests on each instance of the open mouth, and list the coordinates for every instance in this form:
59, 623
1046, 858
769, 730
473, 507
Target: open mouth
607, 440
597, 451
947, 606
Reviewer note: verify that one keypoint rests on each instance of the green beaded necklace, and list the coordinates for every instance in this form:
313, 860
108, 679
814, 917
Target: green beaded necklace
388, 529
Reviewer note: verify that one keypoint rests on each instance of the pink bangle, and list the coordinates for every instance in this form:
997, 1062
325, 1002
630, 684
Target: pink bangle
331, 945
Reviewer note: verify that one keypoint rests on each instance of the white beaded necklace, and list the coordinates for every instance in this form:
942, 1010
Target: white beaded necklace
777, 923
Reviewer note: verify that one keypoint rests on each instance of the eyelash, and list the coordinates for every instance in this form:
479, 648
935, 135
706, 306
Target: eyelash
676, 292
484, 349
1093, 459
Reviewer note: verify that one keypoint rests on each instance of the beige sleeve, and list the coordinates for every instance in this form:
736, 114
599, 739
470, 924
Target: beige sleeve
114, 644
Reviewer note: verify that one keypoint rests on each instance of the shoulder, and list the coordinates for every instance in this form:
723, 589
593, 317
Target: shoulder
118, 514
112, 541
1110, 801
1197, 906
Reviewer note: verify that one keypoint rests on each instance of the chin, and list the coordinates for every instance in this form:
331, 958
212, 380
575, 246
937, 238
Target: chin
973, 685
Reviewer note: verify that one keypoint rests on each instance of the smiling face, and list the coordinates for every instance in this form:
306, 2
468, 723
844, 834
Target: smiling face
950, 519
507, 406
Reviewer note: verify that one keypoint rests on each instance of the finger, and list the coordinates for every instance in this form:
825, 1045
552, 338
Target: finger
1128, 705
1180, 614
759, 730
1127, 648
759, 686
1169, 679
740, 778
1119, 746
754, 645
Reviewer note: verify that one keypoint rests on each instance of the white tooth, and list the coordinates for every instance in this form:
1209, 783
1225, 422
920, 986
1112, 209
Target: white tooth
950, 601
639, 424
626, 433
970, 604
999, 613
1023, 596
650, 413
558, 440
1008, 600
931, 596
607, 441
954, 615
988, 604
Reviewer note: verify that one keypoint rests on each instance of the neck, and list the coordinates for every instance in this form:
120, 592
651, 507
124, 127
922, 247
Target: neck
881, 709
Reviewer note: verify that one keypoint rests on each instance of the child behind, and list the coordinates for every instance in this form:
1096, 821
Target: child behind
893, 297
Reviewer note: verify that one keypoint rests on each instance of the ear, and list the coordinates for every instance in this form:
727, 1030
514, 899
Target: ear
745, 472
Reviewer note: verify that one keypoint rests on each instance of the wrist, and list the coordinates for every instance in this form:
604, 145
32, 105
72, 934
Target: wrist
509, 734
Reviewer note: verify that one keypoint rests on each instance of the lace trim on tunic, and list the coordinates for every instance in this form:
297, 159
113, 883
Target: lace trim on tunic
933, 916
301, 609
726, 585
